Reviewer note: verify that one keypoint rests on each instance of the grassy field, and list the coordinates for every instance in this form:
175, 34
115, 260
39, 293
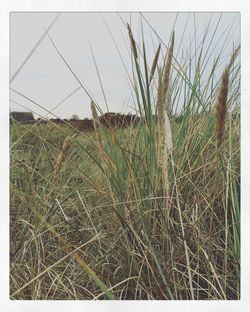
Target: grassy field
146, 212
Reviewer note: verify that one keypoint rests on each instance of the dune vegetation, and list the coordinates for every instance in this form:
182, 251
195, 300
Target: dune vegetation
150, 211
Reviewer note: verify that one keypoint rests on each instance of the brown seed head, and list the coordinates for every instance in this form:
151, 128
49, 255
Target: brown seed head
65, 148
132, 40
152, 71
221, 108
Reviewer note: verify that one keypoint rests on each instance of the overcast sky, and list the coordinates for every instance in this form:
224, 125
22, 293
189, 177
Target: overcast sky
47, 80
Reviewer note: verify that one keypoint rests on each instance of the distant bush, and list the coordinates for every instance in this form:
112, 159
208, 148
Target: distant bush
74, 117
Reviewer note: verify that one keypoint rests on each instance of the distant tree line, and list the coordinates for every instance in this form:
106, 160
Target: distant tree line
109, 120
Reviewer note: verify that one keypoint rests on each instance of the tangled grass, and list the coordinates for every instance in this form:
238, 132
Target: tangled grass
127, 215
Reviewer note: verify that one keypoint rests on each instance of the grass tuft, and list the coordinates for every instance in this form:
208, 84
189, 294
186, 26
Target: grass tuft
141, 212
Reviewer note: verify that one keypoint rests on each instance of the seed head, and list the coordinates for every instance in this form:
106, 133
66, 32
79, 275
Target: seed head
152, 71
132, 40
221, 108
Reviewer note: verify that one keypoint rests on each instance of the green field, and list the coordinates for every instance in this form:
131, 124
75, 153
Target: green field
146, 212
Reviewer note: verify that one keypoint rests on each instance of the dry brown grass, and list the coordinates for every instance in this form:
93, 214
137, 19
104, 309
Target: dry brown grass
65, 148
164, 128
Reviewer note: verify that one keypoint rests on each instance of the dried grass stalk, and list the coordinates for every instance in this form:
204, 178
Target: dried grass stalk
221, 108
65, 148
166, 73
132, 40
98, 133
164, 126
164, 143
152, 71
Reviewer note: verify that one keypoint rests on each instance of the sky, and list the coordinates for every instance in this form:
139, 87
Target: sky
47, 81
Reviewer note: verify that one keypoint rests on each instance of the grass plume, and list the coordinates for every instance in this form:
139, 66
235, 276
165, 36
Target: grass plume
221, 108
65, 148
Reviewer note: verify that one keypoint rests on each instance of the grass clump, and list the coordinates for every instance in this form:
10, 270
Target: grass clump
144, 212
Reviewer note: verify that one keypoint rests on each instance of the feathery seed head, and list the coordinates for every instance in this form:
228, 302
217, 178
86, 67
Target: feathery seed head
65, 148
221, 107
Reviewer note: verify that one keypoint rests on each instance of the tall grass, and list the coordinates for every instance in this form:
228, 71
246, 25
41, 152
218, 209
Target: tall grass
147, 212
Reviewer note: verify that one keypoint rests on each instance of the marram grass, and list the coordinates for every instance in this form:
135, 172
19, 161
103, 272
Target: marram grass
139, 213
